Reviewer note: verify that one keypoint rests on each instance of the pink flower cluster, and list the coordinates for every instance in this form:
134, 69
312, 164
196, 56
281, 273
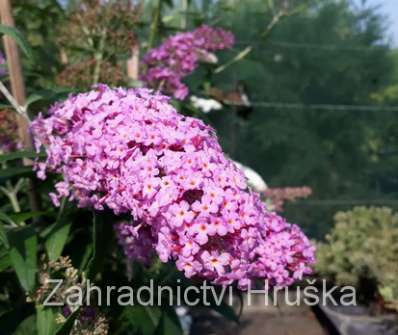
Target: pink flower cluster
130, 151
279, 196
179, 55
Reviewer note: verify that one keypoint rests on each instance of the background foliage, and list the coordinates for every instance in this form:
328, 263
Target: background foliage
361, 251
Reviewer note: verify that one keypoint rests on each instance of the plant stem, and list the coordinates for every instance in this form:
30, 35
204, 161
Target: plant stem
99, 56
155, 24
275, 20
19, 109
14, 202
11, 192
184, 10
241, 55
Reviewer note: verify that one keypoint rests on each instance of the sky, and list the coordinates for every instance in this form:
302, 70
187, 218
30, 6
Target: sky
389, 8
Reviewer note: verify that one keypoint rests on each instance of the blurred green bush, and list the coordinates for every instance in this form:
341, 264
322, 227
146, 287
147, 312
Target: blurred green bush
361, 250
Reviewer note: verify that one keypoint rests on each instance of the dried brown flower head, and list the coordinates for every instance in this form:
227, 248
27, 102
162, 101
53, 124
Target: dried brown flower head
98, 35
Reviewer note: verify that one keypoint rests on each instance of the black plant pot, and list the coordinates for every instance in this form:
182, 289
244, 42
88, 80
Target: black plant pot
357, 320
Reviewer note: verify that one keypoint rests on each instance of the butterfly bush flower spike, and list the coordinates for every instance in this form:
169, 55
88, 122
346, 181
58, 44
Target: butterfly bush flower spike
179, 55
130, 151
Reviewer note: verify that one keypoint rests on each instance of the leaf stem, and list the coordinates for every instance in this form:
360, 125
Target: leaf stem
12, 194
21, 110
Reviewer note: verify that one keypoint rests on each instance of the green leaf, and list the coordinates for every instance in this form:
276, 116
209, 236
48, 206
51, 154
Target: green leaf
57, 234
48, 96
45, 321
102, 238
33, 98
5, 261
142, 319
19, 154
86, 256
13, 318
169, 323
7, 219
270, 4
24, 216
23, 255
27, 326
18, 37
57, 239
226, 311
3, 236
169, 3
22, 171
3, 233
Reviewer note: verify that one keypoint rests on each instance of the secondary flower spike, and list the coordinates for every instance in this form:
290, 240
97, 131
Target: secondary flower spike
179, 55
130, 151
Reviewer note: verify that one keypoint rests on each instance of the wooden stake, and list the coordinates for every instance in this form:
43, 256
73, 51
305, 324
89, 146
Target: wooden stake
15, 71
133, 63
18, 91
